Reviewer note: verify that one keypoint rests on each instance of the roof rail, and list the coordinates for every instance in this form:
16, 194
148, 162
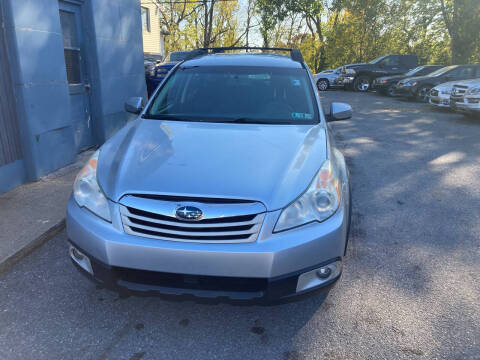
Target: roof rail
295, 54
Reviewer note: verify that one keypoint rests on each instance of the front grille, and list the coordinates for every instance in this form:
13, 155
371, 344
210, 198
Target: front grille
458, 92
223, 222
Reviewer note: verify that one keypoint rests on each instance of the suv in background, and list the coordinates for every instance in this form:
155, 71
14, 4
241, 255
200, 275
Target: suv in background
419, 87
326, 79
359, 77
466, 97
386, 85
157, 73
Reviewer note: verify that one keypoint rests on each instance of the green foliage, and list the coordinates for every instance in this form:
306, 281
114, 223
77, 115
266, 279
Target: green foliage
347, 31
331, 33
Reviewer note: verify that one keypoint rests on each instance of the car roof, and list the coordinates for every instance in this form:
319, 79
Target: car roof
244, 59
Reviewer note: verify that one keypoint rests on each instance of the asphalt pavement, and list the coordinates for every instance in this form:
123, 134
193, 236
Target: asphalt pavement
410, 287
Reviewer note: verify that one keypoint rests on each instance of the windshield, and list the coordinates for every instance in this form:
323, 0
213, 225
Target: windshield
442, 70
414, 71
378, 59
177, 56
236, 94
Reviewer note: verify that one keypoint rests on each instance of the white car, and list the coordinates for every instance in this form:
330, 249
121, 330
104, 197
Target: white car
466, 96
326, 79
440, 94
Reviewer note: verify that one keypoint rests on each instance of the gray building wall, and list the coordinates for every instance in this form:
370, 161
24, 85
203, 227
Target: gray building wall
112, 30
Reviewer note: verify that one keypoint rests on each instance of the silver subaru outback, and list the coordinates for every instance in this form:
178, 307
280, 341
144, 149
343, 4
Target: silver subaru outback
227, 186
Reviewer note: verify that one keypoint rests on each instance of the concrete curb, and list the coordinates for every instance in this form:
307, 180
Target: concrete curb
9, 262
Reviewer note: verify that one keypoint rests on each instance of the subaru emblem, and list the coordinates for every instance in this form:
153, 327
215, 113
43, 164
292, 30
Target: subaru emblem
188, 213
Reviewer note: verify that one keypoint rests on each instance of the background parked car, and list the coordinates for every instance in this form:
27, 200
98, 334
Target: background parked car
466, 97
419, 87
359, 77
440, 95
385, 84
326, 79
157, 73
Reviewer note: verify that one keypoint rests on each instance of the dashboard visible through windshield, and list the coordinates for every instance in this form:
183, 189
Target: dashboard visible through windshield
236, 94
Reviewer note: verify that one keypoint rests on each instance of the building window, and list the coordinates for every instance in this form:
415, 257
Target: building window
145, 19
71, 47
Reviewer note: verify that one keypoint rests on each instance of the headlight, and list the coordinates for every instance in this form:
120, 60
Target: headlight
162, 71
318, 203
86, 191
446, 92
473, 91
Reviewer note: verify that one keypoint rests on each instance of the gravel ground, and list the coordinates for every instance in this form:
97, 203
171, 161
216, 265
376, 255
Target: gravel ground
411, 283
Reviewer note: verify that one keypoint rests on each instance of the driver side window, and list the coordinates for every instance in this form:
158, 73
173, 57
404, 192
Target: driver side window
390, 61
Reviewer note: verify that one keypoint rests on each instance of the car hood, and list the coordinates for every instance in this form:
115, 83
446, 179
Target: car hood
348, 66
446, 86
471, 82
273, 164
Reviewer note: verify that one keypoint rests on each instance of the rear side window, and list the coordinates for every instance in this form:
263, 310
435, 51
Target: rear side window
232, 93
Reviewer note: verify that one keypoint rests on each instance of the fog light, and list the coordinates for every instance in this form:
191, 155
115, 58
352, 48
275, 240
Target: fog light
77, 254
81, 259
317, 277
324, 272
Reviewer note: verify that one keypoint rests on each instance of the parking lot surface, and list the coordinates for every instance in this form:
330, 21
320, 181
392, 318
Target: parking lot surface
410, 287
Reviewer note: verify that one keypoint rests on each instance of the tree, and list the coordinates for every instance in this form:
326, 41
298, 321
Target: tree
461, 18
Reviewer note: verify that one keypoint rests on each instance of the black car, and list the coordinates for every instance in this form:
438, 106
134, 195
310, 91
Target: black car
419, 87
157, 73
359, 77
385, 85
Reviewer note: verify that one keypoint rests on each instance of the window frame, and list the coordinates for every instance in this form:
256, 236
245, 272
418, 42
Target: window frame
147, 16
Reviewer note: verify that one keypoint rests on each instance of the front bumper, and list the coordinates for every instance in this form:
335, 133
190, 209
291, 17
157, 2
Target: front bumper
466, 104
344, 80
275, 261
406, 91
440, 100
381, 86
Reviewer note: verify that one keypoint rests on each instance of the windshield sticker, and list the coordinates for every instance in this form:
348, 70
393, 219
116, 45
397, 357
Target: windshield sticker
298, 115
296, 82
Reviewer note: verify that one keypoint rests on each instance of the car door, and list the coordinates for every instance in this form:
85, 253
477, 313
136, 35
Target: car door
391, 65
77, 75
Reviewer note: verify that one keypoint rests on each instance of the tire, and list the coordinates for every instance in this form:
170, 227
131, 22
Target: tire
322, 85
422, 93
391, 90
362, 83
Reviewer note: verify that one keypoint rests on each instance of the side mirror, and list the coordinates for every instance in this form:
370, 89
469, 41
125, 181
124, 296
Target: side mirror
134, 105
339, 111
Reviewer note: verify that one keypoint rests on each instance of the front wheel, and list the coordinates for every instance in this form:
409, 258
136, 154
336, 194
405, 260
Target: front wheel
391, 90
362, 83
423, 94
322, 85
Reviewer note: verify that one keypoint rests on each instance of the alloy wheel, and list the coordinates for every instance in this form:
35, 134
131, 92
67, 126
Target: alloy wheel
322, 85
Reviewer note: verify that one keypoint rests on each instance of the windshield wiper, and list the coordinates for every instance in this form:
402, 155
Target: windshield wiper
245, 120
167, 117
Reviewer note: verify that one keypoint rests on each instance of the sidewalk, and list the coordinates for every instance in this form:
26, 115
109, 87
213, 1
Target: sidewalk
32, 213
